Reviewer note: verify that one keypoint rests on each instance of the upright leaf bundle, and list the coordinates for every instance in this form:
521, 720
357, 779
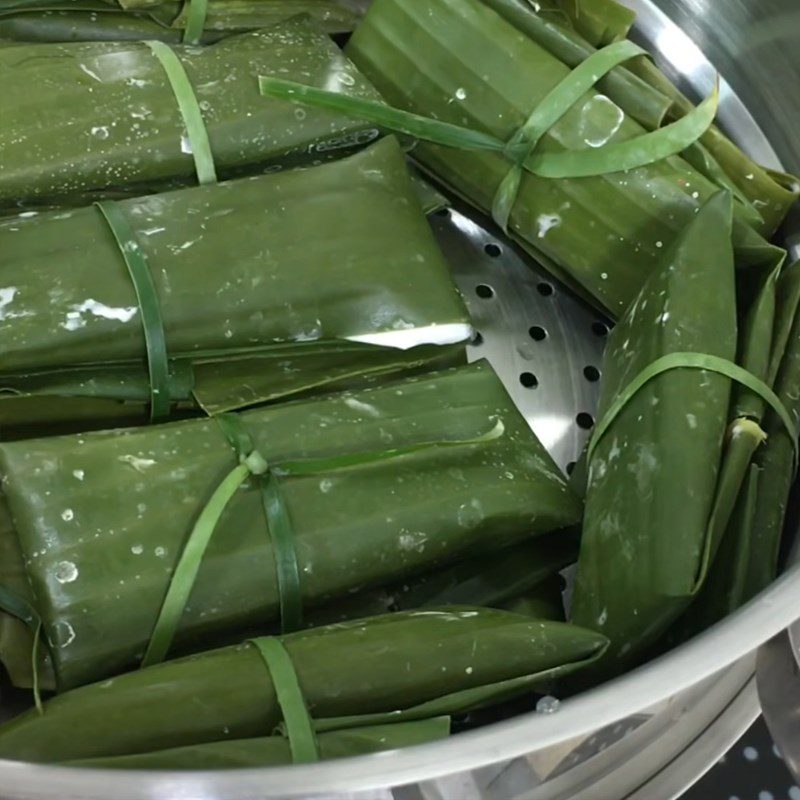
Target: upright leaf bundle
666, 471
83, 120
338, 276
410, 481
172, 21
406, 666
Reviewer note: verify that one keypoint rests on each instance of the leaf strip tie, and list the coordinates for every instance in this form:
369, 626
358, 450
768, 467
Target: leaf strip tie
551, 109
279, 525
297, 720
195, 21
149, 307
702, 361
251, 462
520, 150
189, 109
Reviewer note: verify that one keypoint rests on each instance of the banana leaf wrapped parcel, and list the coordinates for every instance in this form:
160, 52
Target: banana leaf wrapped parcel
122, 533
168, 21
593, 187
86, 120
676, 442
338, 276
416, 665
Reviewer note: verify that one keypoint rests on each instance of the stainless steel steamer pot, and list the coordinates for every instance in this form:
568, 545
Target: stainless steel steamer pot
653, 732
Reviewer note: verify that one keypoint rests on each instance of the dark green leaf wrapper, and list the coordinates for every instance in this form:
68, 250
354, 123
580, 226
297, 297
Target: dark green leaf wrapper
164, 20
281, 319
273, 751
599, 235
646, 534
101, 518
524, 576
426, 664
752, 564
647, 95
113, 126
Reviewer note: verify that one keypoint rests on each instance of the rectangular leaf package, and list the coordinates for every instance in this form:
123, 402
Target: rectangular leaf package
413, 476
82, 120
245, 319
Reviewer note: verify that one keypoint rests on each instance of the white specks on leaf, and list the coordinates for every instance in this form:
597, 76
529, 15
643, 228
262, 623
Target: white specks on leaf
364, 408
139, 464
65, 572
546, 223
64, 632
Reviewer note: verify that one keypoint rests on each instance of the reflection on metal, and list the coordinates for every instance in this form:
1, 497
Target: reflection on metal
538, 338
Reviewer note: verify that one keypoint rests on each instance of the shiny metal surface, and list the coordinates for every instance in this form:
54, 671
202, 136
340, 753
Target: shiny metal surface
545, 345
649, 734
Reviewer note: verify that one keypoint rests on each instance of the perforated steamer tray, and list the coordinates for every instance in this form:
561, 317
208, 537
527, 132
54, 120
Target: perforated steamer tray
545, 345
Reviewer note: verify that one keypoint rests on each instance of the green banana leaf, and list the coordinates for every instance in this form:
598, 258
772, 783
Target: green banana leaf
659, 489
635, 96
748, 563
522, 576
101, 519
86, 120
399, 667
767, 195
770, 193
282, 319
272, 751
600, 22
776, 459
747, 560
164, 20
600, 235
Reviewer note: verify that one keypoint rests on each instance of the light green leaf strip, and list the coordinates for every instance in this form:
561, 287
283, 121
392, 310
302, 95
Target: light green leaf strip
430, 130
251, 463
195, 21
615, 157
701, 361
190, 111
185, 574
149, 307
296, 718
631, 154
557, 103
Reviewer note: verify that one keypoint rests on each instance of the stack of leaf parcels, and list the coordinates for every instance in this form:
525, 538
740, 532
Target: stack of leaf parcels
243, 457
